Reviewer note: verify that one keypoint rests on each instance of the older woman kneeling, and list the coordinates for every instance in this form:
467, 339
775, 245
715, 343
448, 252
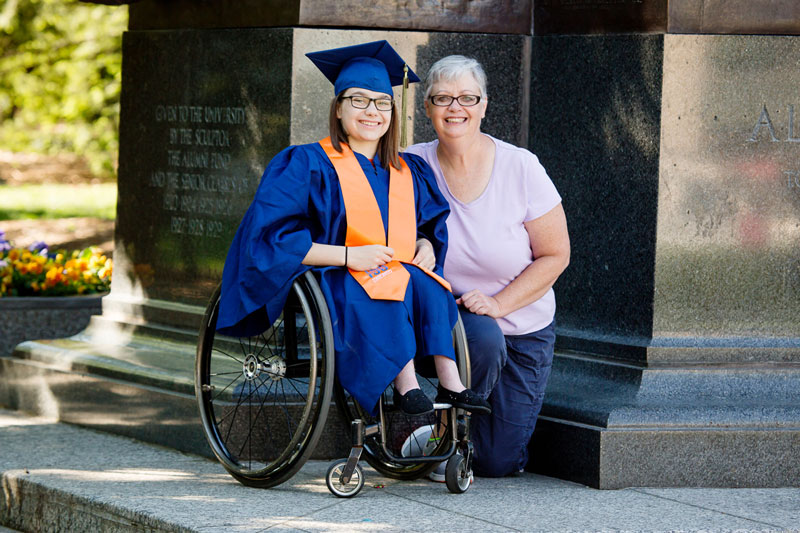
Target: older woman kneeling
508, 245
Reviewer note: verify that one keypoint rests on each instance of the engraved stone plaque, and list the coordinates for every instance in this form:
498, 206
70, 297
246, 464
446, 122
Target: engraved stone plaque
200, 120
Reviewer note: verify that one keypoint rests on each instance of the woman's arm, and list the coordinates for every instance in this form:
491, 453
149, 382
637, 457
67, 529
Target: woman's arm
357, 257
550, 245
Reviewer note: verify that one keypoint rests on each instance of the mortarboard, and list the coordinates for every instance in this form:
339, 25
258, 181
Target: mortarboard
374, 66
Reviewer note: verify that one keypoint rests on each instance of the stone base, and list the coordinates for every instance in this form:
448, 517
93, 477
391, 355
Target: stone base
39, 317
142, 387
663, 457
611, 425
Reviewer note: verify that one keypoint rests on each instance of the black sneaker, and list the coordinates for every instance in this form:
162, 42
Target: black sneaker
413, 403
466, 399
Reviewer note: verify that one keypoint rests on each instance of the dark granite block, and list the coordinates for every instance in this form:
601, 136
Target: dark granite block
595, 127
771, 17
599, 16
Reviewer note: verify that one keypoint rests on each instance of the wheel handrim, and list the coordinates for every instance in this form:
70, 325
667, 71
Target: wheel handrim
263, 408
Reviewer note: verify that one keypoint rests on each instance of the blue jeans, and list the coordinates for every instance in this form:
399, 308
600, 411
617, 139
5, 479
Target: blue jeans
511, 371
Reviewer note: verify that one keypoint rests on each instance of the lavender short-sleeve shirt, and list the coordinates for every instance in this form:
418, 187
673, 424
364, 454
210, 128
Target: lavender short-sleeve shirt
488, 245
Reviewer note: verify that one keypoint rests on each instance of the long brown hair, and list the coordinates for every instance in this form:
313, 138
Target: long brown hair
388, 145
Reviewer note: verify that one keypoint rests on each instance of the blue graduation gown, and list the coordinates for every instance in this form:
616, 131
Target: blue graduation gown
299, 201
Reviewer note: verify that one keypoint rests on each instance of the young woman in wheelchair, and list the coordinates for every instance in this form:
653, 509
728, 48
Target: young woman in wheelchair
371, 222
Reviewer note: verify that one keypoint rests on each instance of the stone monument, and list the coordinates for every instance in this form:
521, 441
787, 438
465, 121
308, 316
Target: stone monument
668, 127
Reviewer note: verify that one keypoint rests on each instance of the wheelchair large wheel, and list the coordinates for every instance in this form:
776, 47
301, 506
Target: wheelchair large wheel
403, 430
264, 400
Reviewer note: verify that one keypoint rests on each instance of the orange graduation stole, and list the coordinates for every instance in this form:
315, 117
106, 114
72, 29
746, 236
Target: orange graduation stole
365, 224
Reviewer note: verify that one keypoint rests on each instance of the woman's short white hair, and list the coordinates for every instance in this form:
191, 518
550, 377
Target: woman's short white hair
452, 67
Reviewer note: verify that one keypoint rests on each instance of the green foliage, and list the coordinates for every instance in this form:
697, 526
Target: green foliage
60, 77
58, 201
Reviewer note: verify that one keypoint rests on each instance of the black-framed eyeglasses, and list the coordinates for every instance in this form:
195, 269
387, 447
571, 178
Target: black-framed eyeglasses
362, 102
465, 100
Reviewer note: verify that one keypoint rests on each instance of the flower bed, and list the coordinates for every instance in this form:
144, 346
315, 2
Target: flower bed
48, 295
34, 271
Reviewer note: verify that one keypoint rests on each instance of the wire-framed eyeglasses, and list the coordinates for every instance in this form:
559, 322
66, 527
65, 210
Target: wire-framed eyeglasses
362, 102
465, 100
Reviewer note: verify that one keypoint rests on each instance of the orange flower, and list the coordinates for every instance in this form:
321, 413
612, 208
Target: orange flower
54, 276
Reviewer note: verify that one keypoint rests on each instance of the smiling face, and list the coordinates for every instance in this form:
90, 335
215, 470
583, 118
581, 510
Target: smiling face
455, 120
363, 127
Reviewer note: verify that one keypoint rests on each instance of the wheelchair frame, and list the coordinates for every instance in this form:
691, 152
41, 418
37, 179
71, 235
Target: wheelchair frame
264, 401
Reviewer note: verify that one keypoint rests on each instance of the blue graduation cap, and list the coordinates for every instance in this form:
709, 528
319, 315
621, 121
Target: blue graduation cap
374, 66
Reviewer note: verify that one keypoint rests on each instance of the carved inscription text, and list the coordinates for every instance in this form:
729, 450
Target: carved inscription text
199, 188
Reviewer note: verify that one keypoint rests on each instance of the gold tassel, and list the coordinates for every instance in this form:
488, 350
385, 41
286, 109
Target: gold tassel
403, 130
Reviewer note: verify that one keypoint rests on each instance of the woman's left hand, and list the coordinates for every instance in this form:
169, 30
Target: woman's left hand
424, 255
480, 304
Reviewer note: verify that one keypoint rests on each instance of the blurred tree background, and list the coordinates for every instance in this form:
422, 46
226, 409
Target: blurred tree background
60, 78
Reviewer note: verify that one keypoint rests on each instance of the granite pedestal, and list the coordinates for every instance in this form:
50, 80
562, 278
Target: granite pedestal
678, 351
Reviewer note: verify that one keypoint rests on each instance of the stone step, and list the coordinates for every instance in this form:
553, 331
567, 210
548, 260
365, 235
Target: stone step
57, 477
142, 388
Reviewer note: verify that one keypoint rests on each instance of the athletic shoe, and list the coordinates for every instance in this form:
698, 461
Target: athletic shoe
437, 474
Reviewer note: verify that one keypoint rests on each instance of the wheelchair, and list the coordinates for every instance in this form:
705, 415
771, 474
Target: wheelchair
264, 402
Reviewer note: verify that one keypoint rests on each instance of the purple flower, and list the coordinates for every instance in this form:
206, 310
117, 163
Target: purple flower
3, 263
5, 246
38, 246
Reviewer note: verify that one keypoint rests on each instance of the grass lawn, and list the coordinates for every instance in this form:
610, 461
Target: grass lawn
55, 200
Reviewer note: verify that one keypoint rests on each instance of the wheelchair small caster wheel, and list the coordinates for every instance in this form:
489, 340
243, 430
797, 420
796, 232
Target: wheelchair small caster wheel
456, 474
344, 490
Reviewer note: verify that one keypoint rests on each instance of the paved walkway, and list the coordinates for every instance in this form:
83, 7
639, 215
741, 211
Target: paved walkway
57, 477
